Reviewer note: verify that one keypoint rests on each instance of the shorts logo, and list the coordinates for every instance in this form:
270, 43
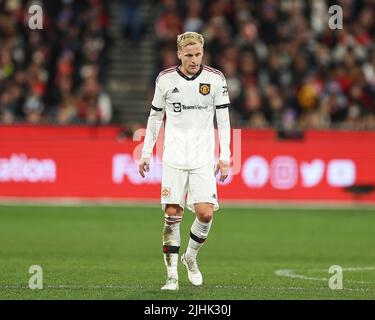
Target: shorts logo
204, 88
176, 107
165, 192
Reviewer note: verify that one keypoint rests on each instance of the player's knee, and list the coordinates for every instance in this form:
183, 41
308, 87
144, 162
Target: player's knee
205, 217
204, 212
173, 210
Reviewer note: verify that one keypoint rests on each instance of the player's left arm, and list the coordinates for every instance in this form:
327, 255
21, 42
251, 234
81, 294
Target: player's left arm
222, 103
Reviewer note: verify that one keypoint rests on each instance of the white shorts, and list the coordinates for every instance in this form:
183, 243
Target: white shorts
199, 185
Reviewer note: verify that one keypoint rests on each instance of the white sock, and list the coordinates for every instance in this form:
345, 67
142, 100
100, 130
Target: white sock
171, 244
198, 234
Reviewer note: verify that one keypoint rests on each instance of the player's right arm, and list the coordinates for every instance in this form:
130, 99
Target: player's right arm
154, 123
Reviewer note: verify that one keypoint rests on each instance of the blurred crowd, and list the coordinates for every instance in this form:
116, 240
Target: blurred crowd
56, 74
284, 66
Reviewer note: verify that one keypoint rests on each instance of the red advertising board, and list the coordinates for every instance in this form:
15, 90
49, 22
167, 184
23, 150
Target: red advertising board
87, 162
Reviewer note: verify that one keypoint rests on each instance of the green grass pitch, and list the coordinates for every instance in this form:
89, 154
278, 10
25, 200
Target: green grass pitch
114, 252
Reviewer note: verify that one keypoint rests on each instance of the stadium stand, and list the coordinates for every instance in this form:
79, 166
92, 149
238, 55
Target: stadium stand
286, 69
54, 75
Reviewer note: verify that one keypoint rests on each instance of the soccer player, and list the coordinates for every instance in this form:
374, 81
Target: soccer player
189, 94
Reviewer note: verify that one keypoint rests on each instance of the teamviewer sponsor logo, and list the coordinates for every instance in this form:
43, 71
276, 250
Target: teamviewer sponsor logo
177, 107
20, 168
195, 107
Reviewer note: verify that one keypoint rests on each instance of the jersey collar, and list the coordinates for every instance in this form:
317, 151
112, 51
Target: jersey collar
186, 77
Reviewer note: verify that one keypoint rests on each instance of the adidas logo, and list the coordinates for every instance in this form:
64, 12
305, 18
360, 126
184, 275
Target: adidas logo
214, 196
175, 90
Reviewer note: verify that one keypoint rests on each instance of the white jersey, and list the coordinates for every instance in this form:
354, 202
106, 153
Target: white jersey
190, 104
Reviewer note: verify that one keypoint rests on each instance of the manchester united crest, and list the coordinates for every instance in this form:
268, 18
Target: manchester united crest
204, 88
165, 192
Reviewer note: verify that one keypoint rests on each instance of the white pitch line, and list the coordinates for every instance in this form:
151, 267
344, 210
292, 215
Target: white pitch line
290, 273
347, 269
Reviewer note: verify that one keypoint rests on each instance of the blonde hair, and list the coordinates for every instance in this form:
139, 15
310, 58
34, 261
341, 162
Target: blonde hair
189, 38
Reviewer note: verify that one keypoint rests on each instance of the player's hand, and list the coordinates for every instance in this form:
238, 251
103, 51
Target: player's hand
144, 166
223, 167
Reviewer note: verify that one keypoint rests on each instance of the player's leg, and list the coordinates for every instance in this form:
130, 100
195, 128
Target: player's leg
198, 235
171, 244
202, 200
200, 227
173, 201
